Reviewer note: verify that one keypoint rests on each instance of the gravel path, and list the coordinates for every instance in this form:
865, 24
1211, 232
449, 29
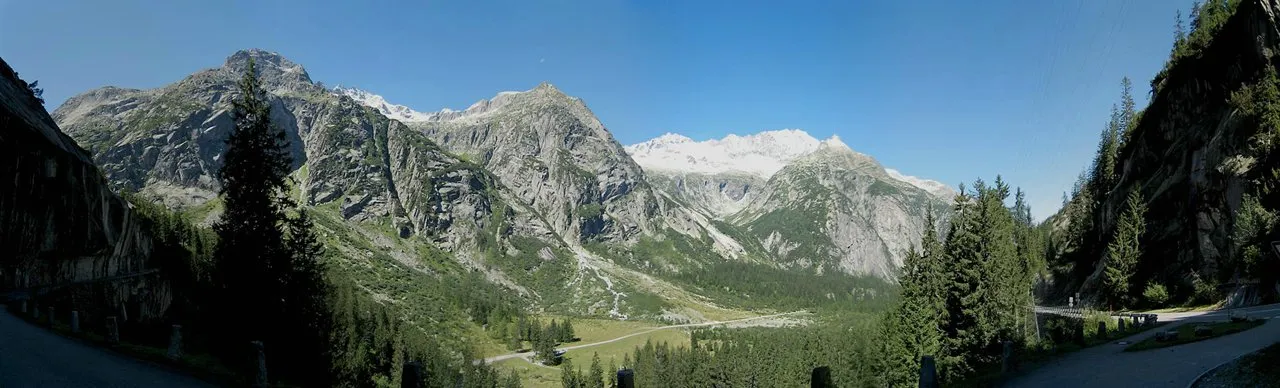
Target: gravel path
1176, 366
31, 356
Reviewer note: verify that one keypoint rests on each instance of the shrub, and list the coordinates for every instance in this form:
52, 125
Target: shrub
1156, 294
1062, 330
1203, 291
1091, 319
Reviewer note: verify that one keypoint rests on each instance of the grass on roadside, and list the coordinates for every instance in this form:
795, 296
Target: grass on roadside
1186, 309
1186, 334
1257, 369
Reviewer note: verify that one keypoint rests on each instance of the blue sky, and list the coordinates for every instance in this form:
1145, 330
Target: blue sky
947, 90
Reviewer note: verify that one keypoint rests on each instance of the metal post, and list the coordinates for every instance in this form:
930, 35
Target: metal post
928, 373
821, 378
113, 330
51, 320
35, 311
24, 306
175, 343
75, 321
1102, 329
626, 378
260, 375
411, 376
1007, 362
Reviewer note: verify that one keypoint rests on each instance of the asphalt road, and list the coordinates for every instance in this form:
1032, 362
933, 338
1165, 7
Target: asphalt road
1175, 366
526, 355
31, 356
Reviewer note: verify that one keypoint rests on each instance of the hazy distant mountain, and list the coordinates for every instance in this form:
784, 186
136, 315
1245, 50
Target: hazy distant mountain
811, 203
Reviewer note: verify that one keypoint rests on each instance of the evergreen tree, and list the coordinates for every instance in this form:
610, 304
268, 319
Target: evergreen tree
1008, 286
34, 88
566, 330
306, 312
612, 374
1124, 251
1080, 215
252, 259
595, 378
913, 328
1195, 16
267, 264
553, 331
511, 381
1102, 176
1179, 33
966, 289
544, 346
513, 338
569, 376
1128, 118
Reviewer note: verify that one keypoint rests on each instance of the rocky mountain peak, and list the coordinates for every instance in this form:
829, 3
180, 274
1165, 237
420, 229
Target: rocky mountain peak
834, 142
272, 67
546, 87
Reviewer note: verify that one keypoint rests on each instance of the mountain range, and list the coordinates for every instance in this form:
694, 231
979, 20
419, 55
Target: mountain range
529, 188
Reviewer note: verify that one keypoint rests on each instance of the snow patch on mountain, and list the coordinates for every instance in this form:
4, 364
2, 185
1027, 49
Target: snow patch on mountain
761, 154
396, 112
936, 188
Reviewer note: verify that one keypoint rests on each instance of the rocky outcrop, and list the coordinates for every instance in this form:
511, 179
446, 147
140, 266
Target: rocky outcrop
838, 210
555, 155
558, 159
1188, 154
60, 224
716, 194
375, 172
167, 142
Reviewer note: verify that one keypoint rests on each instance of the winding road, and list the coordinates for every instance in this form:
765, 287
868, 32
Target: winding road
31, 356
1175, 366
526, 355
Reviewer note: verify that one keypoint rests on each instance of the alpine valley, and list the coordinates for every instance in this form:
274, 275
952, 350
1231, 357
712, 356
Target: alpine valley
529, 194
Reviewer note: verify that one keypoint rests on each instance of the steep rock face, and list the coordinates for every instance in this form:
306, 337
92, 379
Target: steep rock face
168, 142
716, 194
559, 160
373, 171
59, 221
1188, 153
552, 152
454, 200
838, 210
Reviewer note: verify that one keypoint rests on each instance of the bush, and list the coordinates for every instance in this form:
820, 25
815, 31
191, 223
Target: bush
1062, 330
1156, 294
1091, 319
1203, 292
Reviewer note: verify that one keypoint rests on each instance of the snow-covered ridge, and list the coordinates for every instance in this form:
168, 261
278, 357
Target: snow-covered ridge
408, 115
939, 189
392, 111
761, 154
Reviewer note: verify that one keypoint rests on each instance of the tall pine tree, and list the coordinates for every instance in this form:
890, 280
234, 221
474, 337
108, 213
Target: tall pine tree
251, 256
269, 282
1124, 251
914, 327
